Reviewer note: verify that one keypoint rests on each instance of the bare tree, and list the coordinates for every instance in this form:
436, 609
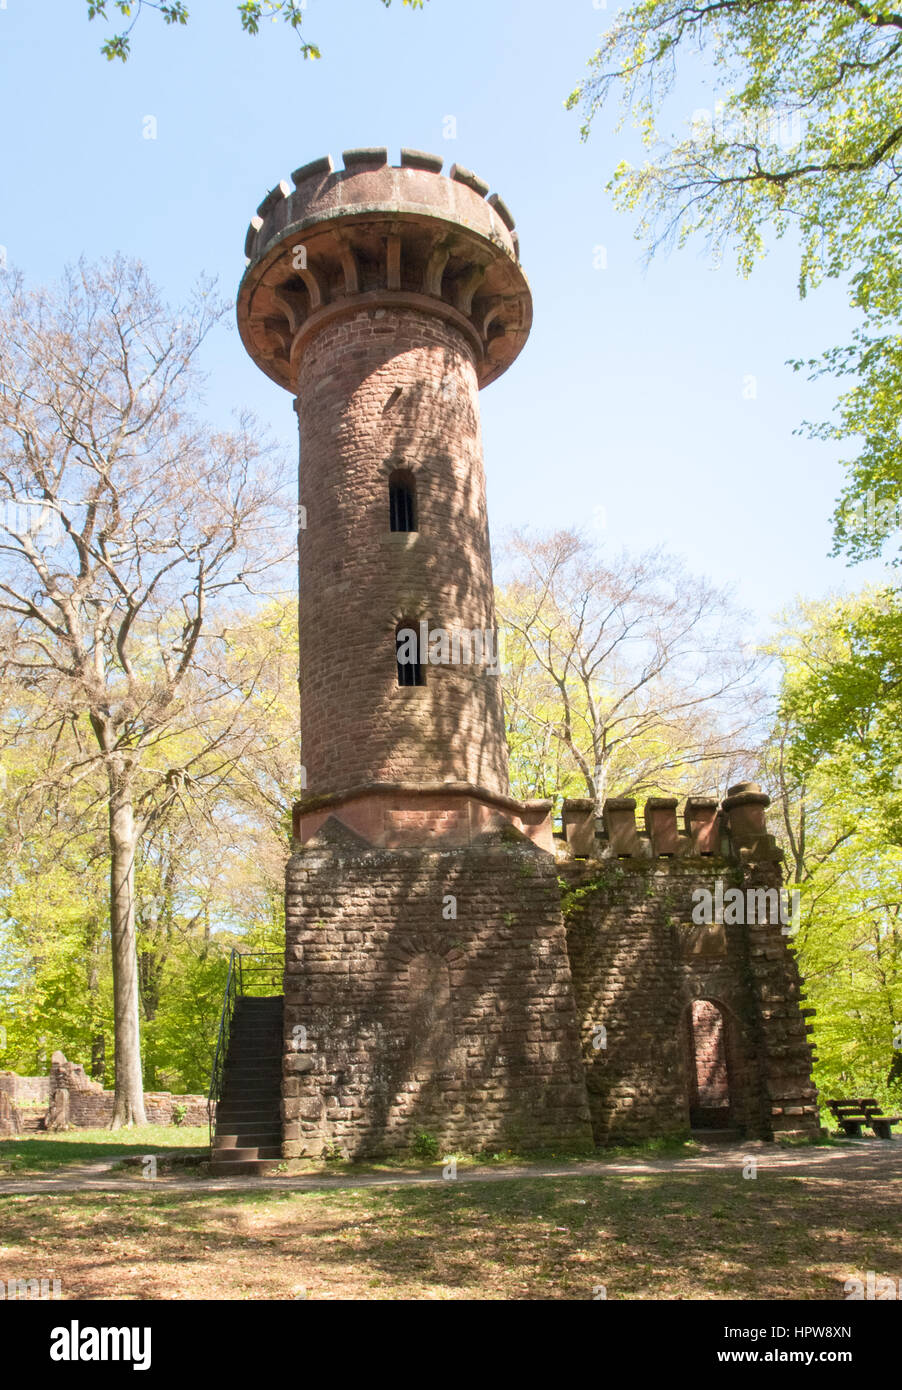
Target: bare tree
127, 527
633, 666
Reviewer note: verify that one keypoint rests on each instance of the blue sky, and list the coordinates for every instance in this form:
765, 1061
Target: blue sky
628, 411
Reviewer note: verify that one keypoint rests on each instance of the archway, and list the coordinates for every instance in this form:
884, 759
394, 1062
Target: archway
710, 1098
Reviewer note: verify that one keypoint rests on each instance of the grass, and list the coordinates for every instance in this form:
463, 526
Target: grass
672, 1146
124, 1149
672, 1235
39, 1154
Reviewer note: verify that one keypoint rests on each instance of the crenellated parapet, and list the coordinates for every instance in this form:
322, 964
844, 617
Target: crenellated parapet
370, 235
734, 828
686, 981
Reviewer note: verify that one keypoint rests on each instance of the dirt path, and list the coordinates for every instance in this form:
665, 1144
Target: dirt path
863, 1159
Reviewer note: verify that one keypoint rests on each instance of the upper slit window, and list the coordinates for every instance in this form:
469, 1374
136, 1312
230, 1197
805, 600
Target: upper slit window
402, 501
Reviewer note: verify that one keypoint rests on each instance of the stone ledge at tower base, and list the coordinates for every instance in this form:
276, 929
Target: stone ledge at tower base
401, 815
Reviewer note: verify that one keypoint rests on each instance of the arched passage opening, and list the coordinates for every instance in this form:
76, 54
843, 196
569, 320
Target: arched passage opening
711, 1102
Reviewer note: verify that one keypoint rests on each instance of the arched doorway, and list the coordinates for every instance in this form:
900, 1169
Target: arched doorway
710, 1101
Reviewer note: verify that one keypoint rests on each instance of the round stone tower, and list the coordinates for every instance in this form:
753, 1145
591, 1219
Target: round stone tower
384, 298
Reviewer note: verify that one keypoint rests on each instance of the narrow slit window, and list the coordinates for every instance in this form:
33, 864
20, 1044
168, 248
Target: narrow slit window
407, 654
402, 501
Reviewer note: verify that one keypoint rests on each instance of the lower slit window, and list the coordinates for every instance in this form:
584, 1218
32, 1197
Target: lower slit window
411, 670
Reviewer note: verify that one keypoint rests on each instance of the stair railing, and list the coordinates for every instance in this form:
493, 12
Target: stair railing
244, 978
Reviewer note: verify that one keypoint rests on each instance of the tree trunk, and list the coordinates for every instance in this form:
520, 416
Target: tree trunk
98, 1041
894, 1075
128, 1107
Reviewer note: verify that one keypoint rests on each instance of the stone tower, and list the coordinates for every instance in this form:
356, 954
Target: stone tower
432, 983
384, 298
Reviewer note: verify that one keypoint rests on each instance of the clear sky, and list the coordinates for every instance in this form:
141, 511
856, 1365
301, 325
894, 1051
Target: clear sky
631, 409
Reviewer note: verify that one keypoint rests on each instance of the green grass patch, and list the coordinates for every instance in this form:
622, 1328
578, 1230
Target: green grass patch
668, 1146
36, 1154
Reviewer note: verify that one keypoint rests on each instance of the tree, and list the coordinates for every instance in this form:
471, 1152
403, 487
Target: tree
807, 136
632, 668
840, 828
54, 951
250, 12
842, 699
209, 876
128, 526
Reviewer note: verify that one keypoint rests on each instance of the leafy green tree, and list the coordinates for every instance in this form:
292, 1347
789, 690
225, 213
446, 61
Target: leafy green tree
251, 13
209, 875
55, 979
842, 698
804, 136
825, 766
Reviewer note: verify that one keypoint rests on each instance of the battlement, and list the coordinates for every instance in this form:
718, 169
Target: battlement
732, 829
371, 234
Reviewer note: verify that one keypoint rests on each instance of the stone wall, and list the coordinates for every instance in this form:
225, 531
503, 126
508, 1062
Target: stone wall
638, 964
641, 960
435, 994
25, 1090
94, 1110
9, 1116
457, 989
87, 1105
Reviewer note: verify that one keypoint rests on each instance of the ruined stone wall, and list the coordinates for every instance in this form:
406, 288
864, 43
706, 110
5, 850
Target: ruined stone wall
88, 1105
638, 962
9, 1116
461, 1025
25, 1090
94, 1110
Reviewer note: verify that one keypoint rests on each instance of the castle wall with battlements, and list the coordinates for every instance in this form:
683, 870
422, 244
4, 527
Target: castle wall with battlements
496, 995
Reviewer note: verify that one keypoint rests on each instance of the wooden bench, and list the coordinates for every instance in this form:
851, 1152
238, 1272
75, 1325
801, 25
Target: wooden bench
851, 1114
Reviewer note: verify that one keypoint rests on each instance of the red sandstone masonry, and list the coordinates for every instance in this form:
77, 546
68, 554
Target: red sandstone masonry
710, 1086
385, 298
463, 1027
407, 298
639, 963
358, 579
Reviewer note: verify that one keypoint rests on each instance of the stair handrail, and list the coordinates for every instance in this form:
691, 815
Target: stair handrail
222, 1041
240, 981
